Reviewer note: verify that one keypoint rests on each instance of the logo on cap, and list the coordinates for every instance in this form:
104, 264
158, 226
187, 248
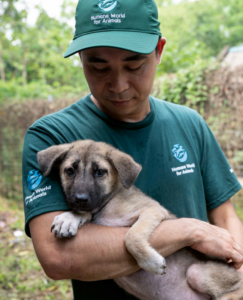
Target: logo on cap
34, 179
107, 5
179, 153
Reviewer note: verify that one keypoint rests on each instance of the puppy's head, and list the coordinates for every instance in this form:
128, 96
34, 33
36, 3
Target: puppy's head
91, 172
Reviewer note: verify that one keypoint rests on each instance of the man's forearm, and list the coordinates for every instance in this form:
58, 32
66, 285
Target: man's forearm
97, 252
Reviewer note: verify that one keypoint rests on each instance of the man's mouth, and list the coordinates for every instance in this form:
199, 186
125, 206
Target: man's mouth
121, 103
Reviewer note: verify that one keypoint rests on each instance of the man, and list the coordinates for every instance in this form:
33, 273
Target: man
120, 45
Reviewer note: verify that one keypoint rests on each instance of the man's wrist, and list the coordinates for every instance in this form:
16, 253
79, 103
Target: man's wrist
193, 232
172, 235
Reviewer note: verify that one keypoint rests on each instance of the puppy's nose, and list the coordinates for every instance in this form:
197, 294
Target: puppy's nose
81, 199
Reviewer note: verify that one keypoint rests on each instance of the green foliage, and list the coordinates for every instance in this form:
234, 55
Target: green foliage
31, 57
187, 86
198, 29
37, 90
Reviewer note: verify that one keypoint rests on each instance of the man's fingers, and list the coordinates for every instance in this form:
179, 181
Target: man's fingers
238, 248
237, 265
236, 259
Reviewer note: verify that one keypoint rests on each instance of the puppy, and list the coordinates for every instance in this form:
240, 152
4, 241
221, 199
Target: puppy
97, 180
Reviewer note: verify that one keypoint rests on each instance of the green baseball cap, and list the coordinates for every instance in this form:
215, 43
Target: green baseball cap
127, 24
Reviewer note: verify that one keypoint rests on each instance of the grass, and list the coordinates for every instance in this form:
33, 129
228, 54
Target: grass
21, 276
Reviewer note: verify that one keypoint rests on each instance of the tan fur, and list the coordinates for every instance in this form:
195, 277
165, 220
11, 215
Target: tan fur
112, 200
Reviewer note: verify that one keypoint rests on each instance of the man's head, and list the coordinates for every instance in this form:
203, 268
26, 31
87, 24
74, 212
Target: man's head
116, 41
120, 81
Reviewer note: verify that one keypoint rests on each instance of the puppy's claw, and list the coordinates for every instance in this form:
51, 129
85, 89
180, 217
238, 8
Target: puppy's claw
55, 233
52, 227
69, 235
61, 235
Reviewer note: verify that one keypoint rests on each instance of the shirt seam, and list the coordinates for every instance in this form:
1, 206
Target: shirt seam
41, 208
223, 198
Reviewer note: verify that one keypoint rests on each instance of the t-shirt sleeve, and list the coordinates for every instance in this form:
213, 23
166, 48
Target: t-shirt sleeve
219, 179
40, 194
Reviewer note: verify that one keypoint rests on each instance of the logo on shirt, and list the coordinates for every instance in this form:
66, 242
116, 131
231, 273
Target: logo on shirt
179, 153
107, 5
34, 179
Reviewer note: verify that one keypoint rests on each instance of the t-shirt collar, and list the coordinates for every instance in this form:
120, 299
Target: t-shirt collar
126, 125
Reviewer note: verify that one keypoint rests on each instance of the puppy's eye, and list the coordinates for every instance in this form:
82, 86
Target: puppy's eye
70, 172
100, 173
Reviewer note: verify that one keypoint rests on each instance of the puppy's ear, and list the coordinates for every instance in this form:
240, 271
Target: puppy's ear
126, 167
48, 157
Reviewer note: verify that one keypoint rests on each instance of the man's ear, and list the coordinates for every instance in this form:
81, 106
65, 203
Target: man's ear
48, 157
160, 48
126, 167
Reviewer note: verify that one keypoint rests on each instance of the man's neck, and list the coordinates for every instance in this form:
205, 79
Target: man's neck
136, 116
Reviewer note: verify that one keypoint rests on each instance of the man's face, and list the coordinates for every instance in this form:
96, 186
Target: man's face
120, 81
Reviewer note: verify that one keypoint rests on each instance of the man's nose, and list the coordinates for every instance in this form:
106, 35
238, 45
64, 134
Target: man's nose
118, 82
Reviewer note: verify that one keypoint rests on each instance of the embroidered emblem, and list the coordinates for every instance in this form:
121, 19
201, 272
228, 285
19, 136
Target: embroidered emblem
107, 5
179, 153
34, 179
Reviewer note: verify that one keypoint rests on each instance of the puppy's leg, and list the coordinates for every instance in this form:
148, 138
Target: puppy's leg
67, 224
138, 235
216, 279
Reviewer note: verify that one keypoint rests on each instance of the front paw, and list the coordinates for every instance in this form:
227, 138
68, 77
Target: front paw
68, 223
155, 264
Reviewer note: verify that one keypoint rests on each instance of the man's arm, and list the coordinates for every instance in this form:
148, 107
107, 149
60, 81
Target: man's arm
225, 216
99, 252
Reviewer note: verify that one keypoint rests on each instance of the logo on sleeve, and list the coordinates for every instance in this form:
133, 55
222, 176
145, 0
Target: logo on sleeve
179, 153
34, 179
107, 5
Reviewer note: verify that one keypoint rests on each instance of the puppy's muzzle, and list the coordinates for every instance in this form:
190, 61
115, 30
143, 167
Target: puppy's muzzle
81, 199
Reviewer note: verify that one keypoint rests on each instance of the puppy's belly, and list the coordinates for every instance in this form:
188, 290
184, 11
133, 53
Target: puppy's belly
146, 286
171, 286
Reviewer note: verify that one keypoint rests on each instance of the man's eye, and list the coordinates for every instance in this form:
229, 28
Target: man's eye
134, 69
101, 70
70, 172
100, 173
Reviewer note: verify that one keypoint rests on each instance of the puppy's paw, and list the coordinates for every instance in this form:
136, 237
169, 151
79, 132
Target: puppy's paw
67, 224
85, 217
156, 264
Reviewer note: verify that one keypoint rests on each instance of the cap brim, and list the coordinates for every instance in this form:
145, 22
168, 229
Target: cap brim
139, 42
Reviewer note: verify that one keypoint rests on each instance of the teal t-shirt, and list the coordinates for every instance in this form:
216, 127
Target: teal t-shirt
184, 168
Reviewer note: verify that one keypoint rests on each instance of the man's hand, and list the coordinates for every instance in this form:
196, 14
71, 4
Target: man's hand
216, 241
225, 216
199, 235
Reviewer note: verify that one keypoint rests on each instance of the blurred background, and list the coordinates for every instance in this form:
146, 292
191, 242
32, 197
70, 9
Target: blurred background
202, 67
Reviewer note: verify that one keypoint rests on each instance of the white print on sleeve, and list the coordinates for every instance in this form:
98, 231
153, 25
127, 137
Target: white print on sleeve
37, 194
